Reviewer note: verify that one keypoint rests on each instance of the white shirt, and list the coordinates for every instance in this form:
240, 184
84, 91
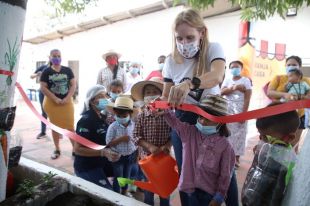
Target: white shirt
131, 81
237, 95
176, 72
105, 77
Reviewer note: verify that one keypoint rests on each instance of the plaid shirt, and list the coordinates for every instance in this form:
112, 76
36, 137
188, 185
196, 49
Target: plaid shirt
117, 130
105, 77
152, 129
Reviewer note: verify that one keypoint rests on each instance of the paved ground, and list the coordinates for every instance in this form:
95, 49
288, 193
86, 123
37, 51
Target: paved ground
27, 126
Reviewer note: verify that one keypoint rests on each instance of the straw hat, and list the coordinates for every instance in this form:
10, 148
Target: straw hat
214, 104
123, 103
109, 53
137, 89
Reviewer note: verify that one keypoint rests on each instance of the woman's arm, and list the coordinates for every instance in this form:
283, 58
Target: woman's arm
226, 90
71, 91
166, 90
215, 76
48, 93
85, 151
247, 98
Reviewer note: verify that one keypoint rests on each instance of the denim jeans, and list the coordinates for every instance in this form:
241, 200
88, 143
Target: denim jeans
41, 98
191, 118
149, 197
199, 198
122, 168
96, 176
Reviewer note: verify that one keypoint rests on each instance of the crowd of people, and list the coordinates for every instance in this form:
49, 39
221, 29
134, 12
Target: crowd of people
116, 114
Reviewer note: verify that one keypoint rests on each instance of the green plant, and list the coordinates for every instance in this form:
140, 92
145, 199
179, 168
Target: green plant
10, 58
26, 188
47, 178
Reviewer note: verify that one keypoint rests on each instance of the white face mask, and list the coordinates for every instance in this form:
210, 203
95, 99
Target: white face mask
188, 50
149, 99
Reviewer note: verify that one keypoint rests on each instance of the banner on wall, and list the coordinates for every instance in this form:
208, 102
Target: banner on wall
260, 65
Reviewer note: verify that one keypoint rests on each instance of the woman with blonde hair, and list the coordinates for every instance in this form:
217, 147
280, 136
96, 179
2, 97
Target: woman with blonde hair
195, 68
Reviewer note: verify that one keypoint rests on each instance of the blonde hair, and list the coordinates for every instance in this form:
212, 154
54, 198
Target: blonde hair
192, 18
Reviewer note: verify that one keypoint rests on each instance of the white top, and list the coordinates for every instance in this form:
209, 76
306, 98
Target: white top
237, 95
105, 77
176, 72
130, 80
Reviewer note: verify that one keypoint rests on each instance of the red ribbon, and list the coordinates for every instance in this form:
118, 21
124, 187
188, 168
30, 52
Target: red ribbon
254, 114
70, 134
5, 72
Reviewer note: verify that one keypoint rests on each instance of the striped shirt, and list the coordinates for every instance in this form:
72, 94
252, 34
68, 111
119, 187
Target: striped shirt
152, 129
105, 77
116, 130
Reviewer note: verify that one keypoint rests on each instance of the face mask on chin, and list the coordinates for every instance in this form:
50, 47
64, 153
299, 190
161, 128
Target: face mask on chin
188, 50
148, 99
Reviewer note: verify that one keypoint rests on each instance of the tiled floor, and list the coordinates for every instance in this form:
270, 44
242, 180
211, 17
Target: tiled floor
27, 126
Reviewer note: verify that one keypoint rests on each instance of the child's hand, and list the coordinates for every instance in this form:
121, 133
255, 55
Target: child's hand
124, 138
214, 203
153, 149
165, 149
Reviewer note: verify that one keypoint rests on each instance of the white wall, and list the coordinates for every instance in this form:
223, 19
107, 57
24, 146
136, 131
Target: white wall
146, 37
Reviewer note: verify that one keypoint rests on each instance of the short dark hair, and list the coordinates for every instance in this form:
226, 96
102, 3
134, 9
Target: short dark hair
116, 83
283, 123
237, 62
122, 111
297, 72
297, 58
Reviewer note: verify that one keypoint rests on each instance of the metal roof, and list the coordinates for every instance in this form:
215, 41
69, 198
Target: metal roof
220, 7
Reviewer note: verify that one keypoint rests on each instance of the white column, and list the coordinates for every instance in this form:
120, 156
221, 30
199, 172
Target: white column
12, 19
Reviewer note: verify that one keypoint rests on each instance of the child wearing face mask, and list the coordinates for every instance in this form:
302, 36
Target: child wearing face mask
238, 91
208, 158
116, 88
120, 139
151, 131
274, 159
296, 86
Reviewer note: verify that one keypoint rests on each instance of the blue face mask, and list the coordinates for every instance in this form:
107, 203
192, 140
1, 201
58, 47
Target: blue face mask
161, 66
235, 71
102, 103
206, 130
134, 70
289, 68
113, 95
124, 120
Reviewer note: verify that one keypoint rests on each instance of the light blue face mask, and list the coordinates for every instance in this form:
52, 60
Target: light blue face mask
134, 70
113, 95
102, 103
161, 66
124, 120
235, 71
289, 68
206, 130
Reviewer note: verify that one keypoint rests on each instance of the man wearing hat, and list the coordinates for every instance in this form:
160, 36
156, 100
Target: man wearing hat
112, 70
209, 159
151, 132
120, 139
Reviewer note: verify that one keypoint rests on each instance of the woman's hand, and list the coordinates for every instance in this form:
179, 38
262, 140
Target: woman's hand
165, 148
65, 100
110, 154
239, 87
57, 100
178, 93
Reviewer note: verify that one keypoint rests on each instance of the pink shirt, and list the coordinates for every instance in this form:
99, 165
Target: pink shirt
208, 161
